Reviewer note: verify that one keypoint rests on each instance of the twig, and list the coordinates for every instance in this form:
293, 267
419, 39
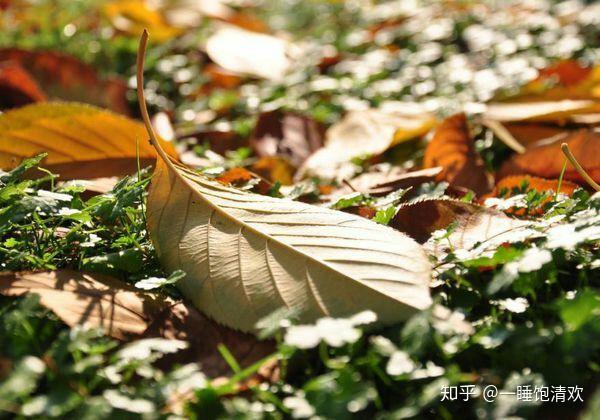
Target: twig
578, 167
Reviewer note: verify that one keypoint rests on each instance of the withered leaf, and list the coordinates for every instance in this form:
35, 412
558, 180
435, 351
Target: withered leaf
61, 76
382, 182
364, 133
452, 148
124, 313
292, 136
474, 223
546, 159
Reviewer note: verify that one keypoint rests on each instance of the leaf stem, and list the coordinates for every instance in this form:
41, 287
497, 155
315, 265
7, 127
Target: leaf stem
141, 55
578, 167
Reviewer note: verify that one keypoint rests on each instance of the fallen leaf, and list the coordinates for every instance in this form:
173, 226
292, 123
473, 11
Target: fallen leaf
236, 176
382, 182
362, 133
275, 169
452, 148
473, 223
529, 133
247, 255
61, 76
17, 86
124, 313
289, 135
82, 141
132, 16
546, 159
249, 53
565, 79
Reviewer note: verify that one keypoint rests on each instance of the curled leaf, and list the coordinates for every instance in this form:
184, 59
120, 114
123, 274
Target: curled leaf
452, 148
247, 255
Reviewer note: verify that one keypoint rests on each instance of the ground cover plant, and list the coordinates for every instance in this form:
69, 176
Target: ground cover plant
299, 209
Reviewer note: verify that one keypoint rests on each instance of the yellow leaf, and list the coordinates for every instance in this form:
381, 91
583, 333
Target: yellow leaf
132, 16
82, 141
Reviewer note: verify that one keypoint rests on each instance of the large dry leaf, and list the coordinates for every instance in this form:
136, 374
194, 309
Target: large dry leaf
474, 223
82, 141
247, 255
63, 77
249, 53
362, 133
99, 301
452, 148
292, 136
546, 159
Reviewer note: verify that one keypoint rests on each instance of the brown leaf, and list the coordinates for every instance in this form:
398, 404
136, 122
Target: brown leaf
546, 159
452, 148
529, 133
124, 313
474, 223
62, 76
292, 136
17, 86
382, 182
275, 169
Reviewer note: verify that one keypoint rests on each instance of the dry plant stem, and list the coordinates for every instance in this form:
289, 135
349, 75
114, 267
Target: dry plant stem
142, 98
504, 135
578, 167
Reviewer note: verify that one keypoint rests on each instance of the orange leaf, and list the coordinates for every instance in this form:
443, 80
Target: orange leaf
546, 160
452, 149
567, 72
17, 86
275, 169
236, 176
